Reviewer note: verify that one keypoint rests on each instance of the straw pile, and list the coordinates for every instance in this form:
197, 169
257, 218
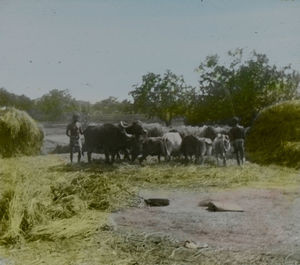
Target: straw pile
275, 135
19, 133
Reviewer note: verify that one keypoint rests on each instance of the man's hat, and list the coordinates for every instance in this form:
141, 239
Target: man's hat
235, 120
76, 117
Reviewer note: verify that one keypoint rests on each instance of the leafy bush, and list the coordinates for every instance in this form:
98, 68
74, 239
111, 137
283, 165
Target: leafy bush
19, 133
242, 87
275, 135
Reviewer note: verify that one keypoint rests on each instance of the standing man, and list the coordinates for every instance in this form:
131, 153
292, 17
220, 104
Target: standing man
237, 136
74, 131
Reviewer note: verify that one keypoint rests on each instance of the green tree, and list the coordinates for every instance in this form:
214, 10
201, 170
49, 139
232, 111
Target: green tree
125, 106
109, 105
241, 88
160, 96
22, 102
56, 105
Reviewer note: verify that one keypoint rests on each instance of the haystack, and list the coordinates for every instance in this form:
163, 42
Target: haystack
275, 135
19, 133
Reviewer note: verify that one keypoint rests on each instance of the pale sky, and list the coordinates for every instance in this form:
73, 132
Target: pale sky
100, 48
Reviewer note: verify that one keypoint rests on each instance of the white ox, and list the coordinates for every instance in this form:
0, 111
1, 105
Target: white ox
172, 143
221, 145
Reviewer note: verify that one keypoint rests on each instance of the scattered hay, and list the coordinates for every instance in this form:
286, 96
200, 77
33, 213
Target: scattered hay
275, 135
55, 213
5, 198
99, 192
86, 223
19, 133
36, 198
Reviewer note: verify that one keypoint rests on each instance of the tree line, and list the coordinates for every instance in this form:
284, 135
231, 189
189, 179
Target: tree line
59, 105
241, 87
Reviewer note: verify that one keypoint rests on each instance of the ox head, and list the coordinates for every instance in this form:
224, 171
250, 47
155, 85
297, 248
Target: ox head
235, 121
128, 136
210, 132
76, 117
135, 128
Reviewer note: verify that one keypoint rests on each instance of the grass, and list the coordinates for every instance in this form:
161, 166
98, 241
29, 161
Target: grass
54, 213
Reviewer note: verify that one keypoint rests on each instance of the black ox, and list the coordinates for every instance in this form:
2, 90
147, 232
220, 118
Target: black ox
153, 146
196, 146
110, 139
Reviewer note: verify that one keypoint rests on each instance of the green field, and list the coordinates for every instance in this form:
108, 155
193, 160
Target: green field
55, 213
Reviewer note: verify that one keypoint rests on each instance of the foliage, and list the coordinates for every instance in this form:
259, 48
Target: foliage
160, 96
242, 88
84, 107
274, 137
112, 105
54, 105
22, 102
19, 133
59, 105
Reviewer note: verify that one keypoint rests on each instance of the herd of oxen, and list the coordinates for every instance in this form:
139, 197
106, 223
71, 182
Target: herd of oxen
137, 141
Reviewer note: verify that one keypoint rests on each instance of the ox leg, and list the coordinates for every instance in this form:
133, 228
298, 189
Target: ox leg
186, 159
113, 155
237, 153
196, 159
158, 157
141, 159
220, 157
71, 155
224, 160
106, 153
79, 156
167, 154
89, 155
126, 155
236, 150
201, 160
242, 154
168, 157
133, 158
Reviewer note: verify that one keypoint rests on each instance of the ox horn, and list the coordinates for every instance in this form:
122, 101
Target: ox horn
123, 124
129, 136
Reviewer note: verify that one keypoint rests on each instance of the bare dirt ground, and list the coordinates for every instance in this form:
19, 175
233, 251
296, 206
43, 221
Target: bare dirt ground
269, 224
55, 134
